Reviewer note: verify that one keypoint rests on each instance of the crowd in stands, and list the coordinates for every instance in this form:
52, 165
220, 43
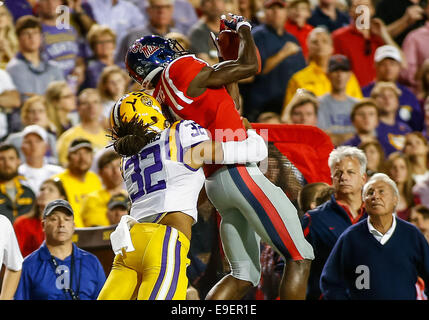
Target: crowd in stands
356, 69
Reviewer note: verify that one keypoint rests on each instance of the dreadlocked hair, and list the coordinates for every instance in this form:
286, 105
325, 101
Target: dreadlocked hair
130, 137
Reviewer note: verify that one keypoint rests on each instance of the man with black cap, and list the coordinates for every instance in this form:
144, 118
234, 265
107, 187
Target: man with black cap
335, 107
78, 181
117, 206
59, 270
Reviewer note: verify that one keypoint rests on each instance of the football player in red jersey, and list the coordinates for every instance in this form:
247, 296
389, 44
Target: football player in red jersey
251, 206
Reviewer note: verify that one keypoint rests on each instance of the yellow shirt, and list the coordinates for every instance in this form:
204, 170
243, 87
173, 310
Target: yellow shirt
77, 190
313, 78
94, 209
98, 141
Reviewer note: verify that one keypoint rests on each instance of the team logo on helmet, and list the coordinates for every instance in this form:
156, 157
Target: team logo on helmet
139, 106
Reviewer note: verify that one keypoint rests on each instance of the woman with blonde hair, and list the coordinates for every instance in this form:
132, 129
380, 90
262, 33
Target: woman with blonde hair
375, 156
102, 41
8, 39
416, 148
34, 111
61, 106
399, 170
112, 85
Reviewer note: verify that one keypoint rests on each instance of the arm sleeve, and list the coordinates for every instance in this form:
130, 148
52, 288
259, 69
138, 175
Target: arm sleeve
189, 135
12, 257
332, 281
253, 149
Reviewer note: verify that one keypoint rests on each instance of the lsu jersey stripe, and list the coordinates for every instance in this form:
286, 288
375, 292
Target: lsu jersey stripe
175, 147
172, 262
163, 265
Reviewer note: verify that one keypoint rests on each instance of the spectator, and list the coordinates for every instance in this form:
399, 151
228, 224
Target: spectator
323, 225
358, 43
59, 270
335, 107
307, 198
314, 77
401, 16
33, 112
184, 13
296, 24
416, 148
388, 65
415, 48
118, 15
269, 117
102, 41
78, 181
60, 43
327, 15
11, 258
419, 217
390, 131
365, 119
30, 73
422, 79
9, 100
199, 34
34, 168
61, 107
160, 22
82, 16
94, 206
117, 206
112, 85
302, 109
8, 39
375, 156
356, 254
28, 227
16, 198
90, 109
399, 170
19, 8
281, 57
250, 9
425, 131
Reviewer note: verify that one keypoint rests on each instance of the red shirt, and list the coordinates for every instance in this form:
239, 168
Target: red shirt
350, 42
214, 110
29, 233
300, 34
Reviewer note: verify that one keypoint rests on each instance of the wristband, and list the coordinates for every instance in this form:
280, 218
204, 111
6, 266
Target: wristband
245, 23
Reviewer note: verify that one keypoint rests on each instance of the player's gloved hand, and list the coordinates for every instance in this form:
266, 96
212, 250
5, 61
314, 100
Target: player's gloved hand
234, 23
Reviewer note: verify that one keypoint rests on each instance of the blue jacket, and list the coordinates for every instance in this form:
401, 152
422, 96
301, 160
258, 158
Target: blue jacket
322, 227
360, 267
39, 281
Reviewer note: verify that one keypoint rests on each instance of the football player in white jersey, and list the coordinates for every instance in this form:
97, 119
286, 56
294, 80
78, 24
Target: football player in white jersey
162, 169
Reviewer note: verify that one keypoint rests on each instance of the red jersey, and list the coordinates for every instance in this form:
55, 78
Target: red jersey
350, 42
214, 109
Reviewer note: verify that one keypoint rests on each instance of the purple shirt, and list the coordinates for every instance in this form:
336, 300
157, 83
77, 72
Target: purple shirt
409, 111
61, 46
392, 138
